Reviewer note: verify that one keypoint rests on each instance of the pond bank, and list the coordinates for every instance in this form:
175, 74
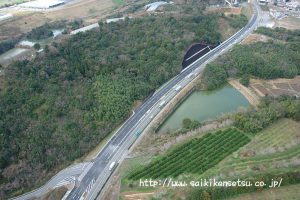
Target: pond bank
203, 106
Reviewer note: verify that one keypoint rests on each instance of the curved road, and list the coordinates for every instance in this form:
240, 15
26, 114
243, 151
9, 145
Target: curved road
94, 178
117, 147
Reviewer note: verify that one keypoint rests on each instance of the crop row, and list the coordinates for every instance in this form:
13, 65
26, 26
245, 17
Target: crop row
195, 156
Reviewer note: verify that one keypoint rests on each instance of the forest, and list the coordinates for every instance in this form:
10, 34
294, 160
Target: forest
266, 60
7, 45
41, 32
58, 106
268, 112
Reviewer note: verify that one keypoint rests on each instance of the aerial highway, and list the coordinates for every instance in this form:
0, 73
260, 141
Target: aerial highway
64, 177
113, 152
92, 181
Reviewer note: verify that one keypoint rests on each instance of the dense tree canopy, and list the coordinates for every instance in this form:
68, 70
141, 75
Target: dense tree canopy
270, 110
58, 106
7, 45
266, 60
41, 32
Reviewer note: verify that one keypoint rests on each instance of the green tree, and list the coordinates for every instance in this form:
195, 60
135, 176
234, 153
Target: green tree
36, 46
245, 80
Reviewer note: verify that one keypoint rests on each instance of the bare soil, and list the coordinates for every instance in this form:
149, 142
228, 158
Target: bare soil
277, 87
226, 11
137, 196
254, 37
291, 23
55, 194
24, 21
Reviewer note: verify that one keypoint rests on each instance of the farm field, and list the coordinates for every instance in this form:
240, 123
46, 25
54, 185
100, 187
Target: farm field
194, 156
274, 150
276, 87
90, 11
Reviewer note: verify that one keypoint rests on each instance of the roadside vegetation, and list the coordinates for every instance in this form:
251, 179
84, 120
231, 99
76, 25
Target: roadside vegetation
237, 21
266, 60
280, 33
58, 106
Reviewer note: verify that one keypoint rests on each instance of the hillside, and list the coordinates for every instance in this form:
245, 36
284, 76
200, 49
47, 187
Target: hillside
57, 107
276, 58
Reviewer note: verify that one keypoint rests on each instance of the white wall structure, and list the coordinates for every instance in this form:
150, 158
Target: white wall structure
41, 4
86, 28
153, 6
5, 16
115, 19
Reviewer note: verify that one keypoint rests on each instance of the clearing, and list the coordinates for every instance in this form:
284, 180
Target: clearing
254, 37
291, 23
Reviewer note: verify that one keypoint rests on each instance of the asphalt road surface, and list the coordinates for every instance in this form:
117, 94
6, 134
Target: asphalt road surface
95, 179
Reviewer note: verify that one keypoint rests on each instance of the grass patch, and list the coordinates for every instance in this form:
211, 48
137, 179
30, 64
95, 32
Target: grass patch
285, 192
274, 150
247, 10
119, 2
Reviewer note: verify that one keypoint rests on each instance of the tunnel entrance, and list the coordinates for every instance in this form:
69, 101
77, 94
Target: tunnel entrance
196, 51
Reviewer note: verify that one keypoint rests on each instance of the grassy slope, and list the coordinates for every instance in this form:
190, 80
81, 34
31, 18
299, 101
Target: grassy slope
119, 2
286, 192
275, 149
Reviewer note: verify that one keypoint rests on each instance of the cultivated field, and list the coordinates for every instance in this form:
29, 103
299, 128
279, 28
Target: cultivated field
90, 11
274, 150
195, 156
278, 87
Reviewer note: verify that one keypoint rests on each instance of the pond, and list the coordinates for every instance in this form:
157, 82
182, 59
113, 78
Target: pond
205, 105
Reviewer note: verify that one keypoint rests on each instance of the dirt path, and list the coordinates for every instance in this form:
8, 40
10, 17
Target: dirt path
248, 94
137, 196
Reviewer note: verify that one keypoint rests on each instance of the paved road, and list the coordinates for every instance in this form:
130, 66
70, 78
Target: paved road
61, 178
92, 180
95, 179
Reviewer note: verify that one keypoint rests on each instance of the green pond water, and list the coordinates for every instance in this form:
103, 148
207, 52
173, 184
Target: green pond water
205, 105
